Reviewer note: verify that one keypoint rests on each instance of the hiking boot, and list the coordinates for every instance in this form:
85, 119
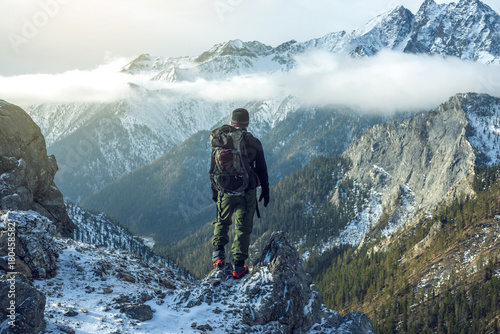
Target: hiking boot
239, 270
219, 258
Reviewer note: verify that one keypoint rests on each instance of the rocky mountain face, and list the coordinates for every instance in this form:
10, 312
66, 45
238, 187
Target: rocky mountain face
26, 172
412, 166
467, 29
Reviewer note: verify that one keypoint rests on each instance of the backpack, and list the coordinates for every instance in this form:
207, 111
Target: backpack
229, 171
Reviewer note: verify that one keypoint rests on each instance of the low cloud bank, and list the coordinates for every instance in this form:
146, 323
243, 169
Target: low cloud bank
388, 82
103, 84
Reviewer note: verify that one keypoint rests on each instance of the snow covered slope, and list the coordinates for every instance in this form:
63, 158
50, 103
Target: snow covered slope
105, 231
103, 290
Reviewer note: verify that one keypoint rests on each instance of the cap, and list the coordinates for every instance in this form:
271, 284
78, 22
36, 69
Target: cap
240, 117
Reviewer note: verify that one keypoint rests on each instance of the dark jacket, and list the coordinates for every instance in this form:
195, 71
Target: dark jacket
257, 163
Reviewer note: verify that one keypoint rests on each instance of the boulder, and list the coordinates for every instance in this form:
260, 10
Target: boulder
35, 251
139, 312
27, 312
288, 299
26, 172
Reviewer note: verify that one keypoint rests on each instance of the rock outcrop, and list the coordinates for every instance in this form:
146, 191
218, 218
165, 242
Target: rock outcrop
277, 296
429, 153
414, 165
289, 299
26, 315
26, 172
34, 249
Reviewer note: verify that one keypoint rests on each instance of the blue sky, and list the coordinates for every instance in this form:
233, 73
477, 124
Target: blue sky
53, 36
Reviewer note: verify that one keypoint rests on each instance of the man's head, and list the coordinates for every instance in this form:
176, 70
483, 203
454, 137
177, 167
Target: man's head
240, 118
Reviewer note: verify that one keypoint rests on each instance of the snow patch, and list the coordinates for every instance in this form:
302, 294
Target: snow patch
358, 227
404, 211
486, 125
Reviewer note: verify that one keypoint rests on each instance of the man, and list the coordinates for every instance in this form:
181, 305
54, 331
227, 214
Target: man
242, 206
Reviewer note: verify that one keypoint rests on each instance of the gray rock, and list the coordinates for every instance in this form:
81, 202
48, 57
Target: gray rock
29, 306
357, 323
139, 312
26, 172
36, 244
20, 267
277, 296
143, 297
289, 301
70, 313
424, 161
429, 153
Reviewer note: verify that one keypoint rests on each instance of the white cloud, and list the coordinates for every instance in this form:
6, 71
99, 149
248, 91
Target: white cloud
388, 82
103, 84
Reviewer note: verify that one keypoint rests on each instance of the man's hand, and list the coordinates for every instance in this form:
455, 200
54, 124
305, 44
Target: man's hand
264, 195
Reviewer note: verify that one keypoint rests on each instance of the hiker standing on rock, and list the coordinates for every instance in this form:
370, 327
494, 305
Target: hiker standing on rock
238, 167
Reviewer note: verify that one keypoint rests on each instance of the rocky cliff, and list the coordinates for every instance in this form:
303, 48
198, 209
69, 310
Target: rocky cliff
28, 252
26, 172
414, 165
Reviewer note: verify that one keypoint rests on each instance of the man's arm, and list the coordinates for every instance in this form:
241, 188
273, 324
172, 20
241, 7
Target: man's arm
214, 191
260, 168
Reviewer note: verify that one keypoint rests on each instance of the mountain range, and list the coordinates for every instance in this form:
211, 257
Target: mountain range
96, 143
396, 173
292, 132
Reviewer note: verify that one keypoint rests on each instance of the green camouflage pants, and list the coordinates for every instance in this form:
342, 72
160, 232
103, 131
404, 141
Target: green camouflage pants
243, 208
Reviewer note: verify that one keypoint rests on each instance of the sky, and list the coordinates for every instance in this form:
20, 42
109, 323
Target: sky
54, 50
52, 36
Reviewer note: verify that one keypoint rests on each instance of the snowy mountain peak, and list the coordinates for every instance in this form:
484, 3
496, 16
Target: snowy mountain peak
236, 48
428, 5
143, 62
388, 30
235, 44
384, 17
285, 46
468, 30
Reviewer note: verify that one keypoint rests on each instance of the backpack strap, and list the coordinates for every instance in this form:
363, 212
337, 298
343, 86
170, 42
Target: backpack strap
257, 209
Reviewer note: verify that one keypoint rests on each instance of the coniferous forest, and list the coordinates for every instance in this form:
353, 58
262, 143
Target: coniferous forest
385, 284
